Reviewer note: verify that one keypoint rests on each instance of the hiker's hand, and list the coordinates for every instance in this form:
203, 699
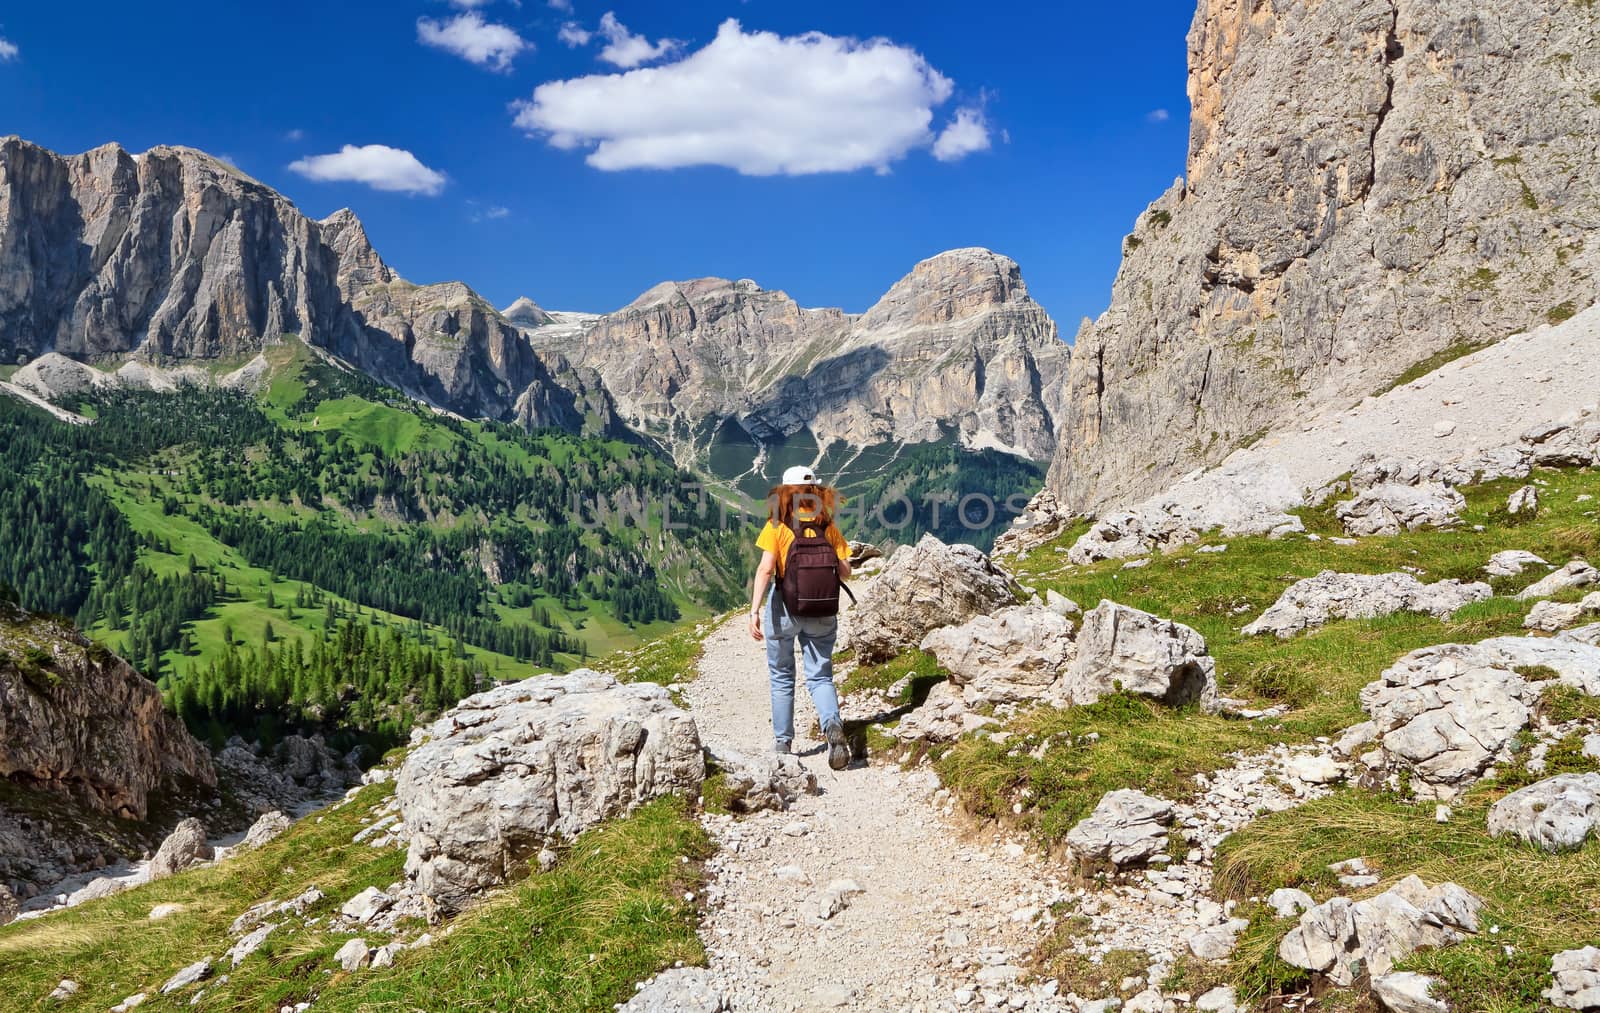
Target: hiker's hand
755, 626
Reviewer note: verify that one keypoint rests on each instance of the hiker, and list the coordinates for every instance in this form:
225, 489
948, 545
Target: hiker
811, 558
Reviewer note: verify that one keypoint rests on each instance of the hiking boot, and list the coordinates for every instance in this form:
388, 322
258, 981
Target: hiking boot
838, 748
781, 747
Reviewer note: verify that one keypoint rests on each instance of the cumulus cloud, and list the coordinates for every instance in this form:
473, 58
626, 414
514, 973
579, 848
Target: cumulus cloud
968, 132
561, 5
376, 165
756, 102
8, 50
473, 39
1158, 116
574, 35
625, 49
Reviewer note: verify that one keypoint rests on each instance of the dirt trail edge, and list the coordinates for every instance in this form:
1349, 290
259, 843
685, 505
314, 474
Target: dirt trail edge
941, 920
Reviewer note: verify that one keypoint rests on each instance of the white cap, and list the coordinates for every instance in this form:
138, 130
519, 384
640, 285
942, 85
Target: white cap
799, 475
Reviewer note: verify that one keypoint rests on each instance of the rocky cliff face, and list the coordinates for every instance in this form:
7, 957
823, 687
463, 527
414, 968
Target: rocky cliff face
958, 341
86, 749
1369, 182
173, 255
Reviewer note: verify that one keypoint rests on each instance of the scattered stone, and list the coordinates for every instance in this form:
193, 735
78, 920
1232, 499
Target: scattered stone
1218, 941
1042, 520
353, 955
1525, 501
161, 911
131, 1002
1591, 746
1342, 938
943, 717
200, 970
1315, 601
100, 886
1407, 992
1390, 508
1552, 617
679, 990
366, 905
1287, 902
1556, 814
250, 943
1123, 648
763, 781
1577, 979
1511, 562
185, 846
1221, 999
1014, 655
923, 587
834, 898
1315, 769
264, 829
65, 989
1576, 574
9, 908
507, 770
1060, 604
1127, 827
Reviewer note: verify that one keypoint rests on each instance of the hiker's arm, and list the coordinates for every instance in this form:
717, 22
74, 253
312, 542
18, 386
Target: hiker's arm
759, 591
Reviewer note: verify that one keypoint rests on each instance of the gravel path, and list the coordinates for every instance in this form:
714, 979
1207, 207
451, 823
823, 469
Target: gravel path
938, 912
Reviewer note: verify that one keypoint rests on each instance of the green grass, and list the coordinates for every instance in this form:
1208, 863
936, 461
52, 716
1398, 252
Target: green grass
1446, 355
1562, 313
611, 913
112, 949
922, 668
673, 657
1318, 675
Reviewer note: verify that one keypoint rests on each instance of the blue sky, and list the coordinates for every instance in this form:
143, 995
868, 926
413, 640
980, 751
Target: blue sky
822, 165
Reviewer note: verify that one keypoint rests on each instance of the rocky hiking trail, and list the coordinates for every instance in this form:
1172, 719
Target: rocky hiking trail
930, 891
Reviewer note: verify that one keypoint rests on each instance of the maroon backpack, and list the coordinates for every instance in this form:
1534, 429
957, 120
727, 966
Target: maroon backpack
811, 573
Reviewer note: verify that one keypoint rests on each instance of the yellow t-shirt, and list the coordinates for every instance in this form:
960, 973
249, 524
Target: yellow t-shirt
777, 540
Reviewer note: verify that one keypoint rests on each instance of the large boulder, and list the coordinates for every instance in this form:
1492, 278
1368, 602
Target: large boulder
185, 846
1122, 648
1576, 979
507, 771
1341, 938
1391, 508
1446, 714
1013, 656
1126, 828
1577, 573
1318, 600
1042, 520
763, 780
1556, 814
923, 587
943, 717
1510, 562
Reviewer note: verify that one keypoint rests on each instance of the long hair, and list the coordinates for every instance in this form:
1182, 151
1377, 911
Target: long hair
784, 501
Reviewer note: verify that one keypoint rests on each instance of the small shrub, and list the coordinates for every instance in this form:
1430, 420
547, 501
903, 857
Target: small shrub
1529, 201
1559, 704
1558, 314
1482, 280
1161, 219
1537, 673
1134, 242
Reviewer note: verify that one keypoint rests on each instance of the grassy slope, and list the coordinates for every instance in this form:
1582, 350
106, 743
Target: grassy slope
577, 938
1554, 901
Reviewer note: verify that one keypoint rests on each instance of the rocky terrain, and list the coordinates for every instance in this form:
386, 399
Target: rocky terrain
92, 762
956, 343
1369, 183
149, 262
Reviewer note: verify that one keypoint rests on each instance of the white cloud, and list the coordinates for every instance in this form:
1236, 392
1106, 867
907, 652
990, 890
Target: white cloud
755, 102
376, 165
625, 49
493, 212
294, 136
967, 133
565, 6
470, 4
473, 39
574, 35
1158, 116
8, 50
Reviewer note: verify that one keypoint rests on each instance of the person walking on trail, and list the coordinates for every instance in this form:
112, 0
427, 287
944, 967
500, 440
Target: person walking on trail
801, 544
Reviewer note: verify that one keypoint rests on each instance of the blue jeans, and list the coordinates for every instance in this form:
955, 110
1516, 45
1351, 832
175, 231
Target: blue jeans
816, 638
